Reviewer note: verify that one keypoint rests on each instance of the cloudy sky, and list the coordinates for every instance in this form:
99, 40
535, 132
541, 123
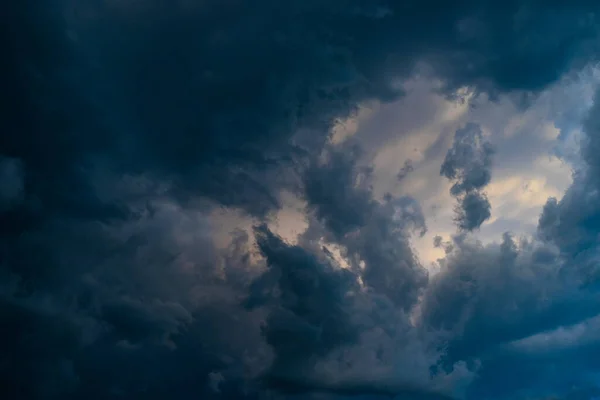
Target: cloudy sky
307, 200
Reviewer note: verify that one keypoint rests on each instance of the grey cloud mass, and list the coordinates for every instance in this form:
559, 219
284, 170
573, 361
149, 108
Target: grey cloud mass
472, 211
127, 126
12, 182
468, 165
406, 169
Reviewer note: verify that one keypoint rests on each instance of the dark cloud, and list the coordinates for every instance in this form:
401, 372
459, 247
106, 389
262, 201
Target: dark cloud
406, 169
472, 211
312, 315
572, 222
354, 389
339, 193
127, 123
447, 246
487, 298
468, 161
11, 183
373, 232
325, 328
468, 164
570, 227
108, 307
525, 312
437, 241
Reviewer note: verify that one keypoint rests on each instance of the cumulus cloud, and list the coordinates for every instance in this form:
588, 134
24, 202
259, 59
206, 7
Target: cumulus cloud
128, 124
488, 297
468, 165
526, 309
472, 211
571, 222
376, 233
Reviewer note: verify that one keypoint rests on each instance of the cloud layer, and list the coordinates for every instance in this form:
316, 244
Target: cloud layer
129, 126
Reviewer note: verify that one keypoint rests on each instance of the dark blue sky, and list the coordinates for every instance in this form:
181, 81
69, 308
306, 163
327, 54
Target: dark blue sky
309, 200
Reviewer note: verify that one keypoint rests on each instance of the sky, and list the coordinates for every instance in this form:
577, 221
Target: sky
306, 200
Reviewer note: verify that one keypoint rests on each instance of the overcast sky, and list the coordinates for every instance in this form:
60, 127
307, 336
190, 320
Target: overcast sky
308, 200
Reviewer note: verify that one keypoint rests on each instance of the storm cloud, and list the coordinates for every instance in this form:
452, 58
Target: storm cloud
468, 165
128, 126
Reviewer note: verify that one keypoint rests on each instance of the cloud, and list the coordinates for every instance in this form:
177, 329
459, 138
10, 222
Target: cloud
406, 169
488, 297
468, 164
468, 161
130, 124
313, 316
363, 388
525, 310
570, 222
12, 183
472, 211
331, 333
374, 232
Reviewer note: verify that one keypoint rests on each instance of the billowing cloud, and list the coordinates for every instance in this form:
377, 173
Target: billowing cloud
129, 126
374, 233
472, 211
526, 309
468, 165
